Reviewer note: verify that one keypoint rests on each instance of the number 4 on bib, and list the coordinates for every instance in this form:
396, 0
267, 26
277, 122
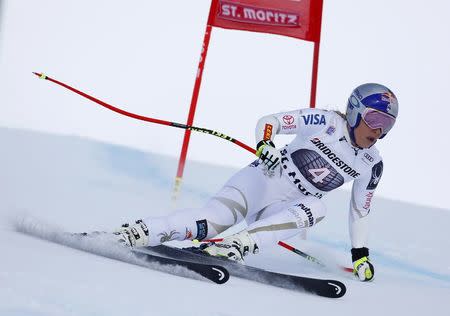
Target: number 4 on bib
319, 174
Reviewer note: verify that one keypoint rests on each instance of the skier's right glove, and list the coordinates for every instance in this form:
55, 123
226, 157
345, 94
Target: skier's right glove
268, 154
362, 267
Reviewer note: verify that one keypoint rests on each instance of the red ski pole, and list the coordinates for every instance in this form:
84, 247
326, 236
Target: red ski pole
290, 248
145, 118
308, 257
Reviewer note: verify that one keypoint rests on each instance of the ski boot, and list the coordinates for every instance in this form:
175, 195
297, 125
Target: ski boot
133, 236
234, 247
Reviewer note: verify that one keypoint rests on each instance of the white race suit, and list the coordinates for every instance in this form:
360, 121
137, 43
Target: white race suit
280, 204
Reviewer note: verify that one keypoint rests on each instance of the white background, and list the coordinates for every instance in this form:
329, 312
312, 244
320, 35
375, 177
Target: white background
142, 56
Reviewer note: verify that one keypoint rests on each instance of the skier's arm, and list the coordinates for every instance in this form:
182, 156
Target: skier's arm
358, 217
279, 123
265, 131
362, 193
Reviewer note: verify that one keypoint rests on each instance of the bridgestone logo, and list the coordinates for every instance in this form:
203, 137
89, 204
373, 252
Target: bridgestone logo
334, 158
256, 15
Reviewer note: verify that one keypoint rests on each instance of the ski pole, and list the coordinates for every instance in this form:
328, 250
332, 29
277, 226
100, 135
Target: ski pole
196, 241
288, 247
147, 119
308, 257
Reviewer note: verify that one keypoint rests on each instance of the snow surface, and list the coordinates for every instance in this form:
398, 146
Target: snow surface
52, 183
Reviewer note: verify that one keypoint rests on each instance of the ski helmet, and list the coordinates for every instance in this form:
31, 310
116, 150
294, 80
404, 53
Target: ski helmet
371, 96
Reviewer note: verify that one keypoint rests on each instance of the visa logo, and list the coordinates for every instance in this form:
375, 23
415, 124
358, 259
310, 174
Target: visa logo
316, 119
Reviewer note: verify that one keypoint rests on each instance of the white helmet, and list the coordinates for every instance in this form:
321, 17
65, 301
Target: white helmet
372, 98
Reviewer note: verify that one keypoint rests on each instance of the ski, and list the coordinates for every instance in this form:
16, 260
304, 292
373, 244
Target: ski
169, 260
326, 288
215, 273
101, 244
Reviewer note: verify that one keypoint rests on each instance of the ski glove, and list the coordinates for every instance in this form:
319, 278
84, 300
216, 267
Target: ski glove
362, 267
268, 154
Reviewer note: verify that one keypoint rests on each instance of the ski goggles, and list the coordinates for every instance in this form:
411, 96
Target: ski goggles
376, 119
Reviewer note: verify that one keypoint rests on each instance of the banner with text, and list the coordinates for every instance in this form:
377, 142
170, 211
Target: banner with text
300, 19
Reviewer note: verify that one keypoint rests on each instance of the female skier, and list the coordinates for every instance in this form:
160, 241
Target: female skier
279, 195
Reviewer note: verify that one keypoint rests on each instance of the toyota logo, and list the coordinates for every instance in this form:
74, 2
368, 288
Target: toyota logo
288, 119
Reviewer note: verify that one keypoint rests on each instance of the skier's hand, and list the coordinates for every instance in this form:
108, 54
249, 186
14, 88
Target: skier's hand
268, 154
362, 267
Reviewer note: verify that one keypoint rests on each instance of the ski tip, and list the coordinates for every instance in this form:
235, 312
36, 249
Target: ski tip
40, 75
222, 274
339, 288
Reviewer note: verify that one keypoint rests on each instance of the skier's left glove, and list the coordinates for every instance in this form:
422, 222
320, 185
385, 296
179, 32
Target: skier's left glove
362, 267
268, 154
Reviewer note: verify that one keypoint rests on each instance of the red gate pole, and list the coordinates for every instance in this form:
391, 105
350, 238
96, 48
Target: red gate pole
315, 67
195, 93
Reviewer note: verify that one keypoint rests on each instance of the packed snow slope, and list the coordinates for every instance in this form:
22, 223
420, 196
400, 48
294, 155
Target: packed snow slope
80, 185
